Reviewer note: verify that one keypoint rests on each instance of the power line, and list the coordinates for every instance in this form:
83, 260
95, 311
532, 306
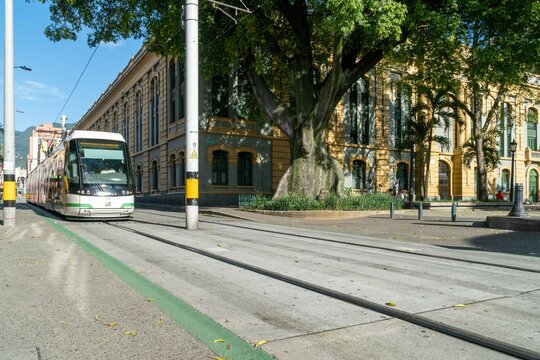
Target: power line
77, 83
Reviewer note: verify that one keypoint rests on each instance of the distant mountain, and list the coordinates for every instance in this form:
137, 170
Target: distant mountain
22, 139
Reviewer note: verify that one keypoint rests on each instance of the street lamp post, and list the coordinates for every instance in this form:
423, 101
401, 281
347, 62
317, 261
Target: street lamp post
412, 139
10, 189
513, 148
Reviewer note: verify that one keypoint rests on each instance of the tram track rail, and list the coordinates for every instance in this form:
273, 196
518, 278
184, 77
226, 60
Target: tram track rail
416, 319
341, 242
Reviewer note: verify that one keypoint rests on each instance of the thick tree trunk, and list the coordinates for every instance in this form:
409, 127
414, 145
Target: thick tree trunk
313, 172
481, 181
428, 162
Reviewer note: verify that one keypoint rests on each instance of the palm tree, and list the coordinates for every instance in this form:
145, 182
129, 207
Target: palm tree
433, 109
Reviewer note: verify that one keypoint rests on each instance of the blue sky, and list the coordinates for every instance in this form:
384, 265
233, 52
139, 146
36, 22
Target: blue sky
42, 93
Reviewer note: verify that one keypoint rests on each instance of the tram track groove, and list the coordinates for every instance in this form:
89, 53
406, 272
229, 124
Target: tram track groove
341, 242
416, 319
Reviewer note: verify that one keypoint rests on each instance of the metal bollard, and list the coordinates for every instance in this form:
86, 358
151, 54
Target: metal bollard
454, 211
392, 210
420, 211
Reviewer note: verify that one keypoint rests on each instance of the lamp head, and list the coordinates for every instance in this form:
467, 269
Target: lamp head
513, 146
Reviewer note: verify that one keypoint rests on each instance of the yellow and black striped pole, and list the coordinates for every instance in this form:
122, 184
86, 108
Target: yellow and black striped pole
10, 189
192, 113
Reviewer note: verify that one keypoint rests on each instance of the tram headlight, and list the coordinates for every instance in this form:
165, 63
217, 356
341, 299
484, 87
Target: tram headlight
87, 192
123, 192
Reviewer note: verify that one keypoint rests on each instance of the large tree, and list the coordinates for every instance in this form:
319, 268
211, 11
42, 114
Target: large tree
301, 56
501, 42
489, 47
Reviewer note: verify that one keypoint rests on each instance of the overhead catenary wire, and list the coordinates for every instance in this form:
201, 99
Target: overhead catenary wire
77, 83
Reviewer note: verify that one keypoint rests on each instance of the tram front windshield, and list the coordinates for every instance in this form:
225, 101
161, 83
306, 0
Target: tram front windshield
103, 162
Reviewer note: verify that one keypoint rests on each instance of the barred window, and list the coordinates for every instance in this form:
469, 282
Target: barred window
220, 167
244, 169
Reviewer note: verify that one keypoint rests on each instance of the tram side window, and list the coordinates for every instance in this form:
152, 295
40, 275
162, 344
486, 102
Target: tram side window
72, 169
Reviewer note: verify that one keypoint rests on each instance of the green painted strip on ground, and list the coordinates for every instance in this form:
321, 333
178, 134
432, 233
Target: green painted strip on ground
197, 324
77, 205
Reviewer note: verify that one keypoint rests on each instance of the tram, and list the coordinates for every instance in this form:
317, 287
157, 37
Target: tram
88, 175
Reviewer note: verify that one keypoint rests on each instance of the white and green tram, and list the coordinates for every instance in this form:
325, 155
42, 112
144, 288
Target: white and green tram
88, 175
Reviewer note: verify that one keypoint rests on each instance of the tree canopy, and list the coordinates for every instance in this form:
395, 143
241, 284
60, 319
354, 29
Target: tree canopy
301, 56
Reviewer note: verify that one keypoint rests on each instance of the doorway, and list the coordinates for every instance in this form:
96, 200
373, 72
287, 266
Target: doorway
533, 186
444, 181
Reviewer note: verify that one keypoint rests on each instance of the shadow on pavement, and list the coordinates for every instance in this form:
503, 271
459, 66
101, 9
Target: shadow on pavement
465, 224
511, 242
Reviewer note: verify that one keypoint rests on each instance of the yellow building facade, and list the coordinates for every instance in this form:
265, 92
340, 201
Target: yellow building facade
239, 155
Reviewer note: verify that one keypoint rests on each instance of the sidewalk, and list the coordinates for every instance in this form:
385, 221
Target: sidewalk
60, 303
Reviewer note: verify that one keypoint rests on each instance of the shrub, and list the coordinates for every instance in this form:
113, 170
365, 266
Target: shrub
333, 201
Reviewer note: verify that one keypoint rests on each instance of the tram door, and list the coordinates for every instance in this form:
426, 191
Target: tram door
533, 186
444, 181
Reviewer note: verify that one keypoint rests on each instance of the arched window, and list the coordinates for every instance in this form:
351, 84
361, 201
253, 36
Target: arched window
444, 180
402, 175
154, 112
359, 174
533, 186
126, 123
244, 169
138, 121
532, 129
172, 172
505, 180
220, 167
138, 179
154, 172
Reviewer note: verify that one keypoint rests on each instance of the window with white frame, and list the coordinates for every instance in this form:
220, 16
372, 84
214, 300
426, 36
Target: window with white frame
126, 122
357, 113
532, 128
400, 108
154, 112
505, 117
138, 121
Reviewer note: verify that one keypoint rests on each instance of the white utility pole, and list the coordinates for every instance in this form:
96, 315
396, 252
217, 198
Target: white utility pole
10, 187
192, 113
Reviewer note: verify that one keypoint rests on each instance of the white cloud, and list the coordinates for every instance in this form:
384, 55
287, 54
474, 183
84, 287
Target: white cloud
36, 91
112, 45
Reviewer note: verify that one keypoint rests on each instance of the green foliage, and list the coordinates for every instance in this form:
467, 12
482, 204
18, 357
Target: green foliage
489, 147
532, 116
347, 202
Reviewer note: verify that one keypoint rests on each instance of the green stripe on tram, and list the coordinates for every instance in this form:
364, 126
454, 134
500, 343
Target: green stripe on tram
77, 205
127, 205
196, 323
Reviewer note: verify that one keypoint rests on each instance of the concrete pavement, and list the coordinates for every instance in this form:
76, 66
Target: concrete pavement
58, 302
469, 232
